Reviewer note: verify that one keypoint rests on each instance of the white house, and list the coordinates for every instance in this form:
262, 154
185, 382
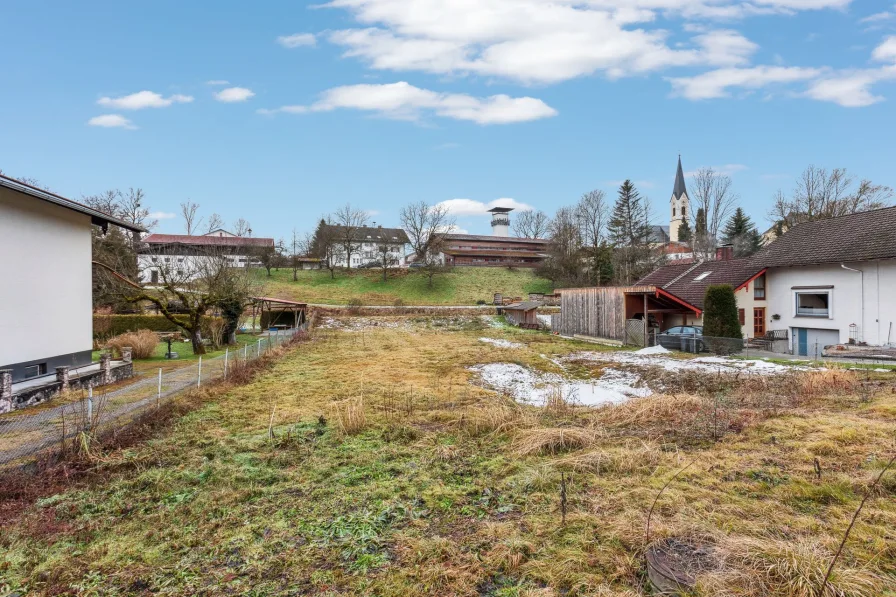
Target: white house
46, 306
181, 255
365, 243
834, 281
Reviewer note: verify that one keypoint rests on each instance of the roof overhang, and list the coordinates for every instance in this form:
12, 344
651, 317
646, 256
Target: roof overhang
756, 275
97, 218
668, 295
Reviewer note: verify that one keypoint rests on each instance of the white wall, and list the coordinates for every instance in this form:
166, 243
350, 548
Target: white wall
847, 298
191, 265
369, 253
46, 294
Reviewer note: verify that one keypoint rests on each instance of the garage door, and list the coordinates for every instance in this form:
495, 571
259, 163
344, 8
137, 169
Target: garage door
810, 342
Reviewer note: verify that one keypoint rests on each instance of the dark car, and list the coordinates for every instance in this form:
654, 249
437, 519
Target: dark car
687, 338
417, 265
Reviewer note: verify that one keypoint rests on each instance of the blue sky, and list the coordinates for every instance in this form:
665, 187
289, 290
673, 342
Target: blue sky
383, 102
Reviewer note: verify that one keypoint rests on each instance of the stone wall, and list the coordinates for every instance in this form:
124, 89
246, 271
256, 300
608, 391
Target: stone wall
38, 394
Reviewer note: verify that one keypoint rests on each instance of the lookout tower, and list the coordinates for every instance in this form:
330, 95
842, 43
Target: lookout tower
501, 221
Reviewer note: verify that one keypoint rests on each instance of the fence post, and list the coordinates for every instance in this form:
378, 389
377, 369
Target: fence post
199, 376
226, 355
5, 390
106, 368
89, 408
258, 349
159, 398
245, 352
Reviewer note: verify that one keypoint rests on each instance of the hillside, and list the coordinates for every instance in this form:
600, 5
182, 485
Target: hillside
462, 286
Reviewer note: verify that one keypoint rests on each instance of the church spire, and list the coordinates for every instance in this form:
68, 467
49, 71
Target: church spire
679, 189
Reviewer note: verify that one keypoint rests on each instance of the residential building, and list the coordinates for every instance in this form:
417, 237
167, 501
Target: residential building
366, 243
182, 255
833, 281
46, 306
496, 250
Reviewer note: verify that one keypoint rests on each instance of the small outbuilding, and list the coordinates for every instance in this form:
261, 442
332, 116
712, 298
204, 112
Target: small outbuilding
522, 314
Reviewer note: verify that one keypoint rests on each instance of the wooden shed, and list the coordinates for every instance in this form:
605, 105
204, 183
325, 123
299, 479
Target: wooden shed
523, 313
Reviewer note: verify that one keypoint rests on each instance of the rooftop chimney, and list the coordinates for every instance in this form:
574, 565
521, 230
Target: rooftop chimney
725, 253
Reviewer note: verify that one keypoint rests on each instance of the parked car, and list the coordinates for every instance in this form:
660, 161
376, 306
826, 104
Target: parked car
687, 338
369, 265
416, 265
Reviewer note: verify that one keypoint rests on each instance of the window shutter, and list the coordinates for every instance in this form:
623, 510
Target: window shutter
742, 316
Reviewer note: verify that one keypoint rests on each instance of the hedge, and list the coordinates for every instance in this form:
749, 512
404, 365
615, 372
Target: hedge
106, 326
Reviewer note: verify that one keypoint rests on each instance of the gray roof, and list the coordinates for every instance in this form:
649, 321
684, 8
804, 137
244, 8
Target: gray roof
96, 217
689, 281
659, 234
374, 234
863, 236
524, 306
679, 188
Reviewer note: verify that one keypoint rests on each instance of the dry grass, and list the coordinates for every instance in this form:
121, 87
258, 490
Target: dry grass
142, 343
351, 416
796, 568
553, 440
494, 417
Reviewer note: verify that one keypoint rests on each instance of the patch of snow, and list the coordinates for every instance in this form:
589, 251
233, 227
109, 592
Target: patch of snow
653, 350
707, 364
527, 386
491, 321
501, 343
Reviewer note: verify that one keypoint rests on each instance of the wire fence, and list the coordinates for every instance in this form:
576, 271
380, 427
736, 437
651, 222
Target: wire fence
28, 432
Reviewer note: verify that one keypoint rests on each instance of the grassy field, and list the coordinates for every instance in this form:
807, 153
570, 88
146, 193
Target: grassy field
462, 286
366, 463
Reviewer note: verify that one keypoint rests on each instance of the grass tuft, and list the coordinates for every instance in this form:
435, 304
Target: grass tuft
553, 440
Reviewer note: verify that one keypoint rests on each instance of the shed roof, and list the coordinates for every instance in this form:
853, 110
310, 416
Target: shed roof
523, 306
689, 281
96, 217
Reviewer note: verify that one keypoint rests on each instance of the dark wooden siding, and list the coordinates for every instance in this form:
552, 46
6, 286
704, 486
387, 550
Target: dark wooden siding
594, 312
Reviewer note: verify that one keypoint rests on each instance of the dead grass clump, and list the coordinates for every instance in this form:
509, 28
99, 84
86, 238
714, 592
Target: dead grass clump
826, 381
351, 416
624, 461
788, 568
494, 418
508, 555
553, 440
556, 403
142, 343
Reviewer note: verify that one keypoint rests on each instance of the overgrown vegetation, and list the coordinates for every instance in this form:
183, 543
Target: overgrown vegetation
366, 463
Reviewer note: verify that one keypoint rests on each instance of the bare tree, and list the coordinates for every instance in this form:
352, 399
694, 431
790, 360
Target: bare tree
187, 291
386, 248
820, 194
593, 216
564, 263
531, 224
268, 256
190, 213
423, 223
214, 222
242, 227
351, 223
712, 194
432, 263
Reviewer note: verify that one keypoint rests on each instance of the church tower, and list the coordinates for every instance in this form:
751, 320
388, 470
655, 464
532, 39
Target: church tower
679, 205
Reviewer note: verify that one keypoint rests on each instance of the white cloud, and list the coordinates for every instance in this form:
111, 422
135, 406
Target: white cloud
717, 83
217, 82
234, 94
886, 51
470, 207
534, 41
162, 215
111, 121
297, 39
402, 101
143, 99
725, 170
851, 89
878, 18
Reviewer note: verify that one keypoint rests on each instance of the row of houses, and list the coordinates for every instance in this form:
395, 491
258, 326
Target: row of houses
822, 283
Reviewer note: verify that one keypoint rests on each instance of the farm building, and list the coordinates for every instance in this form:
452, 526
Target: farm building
522, 314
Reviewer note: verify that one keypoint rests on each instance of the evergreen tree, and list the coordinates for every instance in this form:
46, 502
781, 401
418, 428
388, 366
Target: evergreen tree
741, 233
684, 232
318, 246
629, 230
700, 223
722, 332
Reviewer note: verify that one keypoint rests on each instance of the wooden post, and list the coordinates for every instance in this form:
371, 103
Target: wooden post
645, 320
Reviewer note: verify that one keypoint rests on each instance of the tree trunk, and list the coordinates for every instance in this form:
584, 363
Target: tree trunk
384, 275
196, 341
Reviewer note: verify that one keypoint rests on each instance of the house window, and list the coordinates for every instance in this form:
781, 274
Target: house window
813, 304
759, 288
35, 370
683, 211
673, 212
155, 259
154, 276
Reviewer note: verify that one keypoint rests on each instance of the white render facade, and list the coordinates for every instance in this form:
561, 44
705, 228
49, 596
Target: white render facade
829, 304
368, 252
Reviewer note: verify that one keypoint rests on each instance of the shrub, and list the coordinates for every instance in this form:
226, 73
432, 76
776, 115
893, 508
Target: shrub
143, 343
105, 326
351, 416
398, 303
720, 319
481, 302
354, 305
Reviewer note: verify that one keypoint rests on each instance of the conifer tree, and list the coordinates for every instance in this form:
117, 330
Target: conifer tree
741, 233
629, 230
684, 232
